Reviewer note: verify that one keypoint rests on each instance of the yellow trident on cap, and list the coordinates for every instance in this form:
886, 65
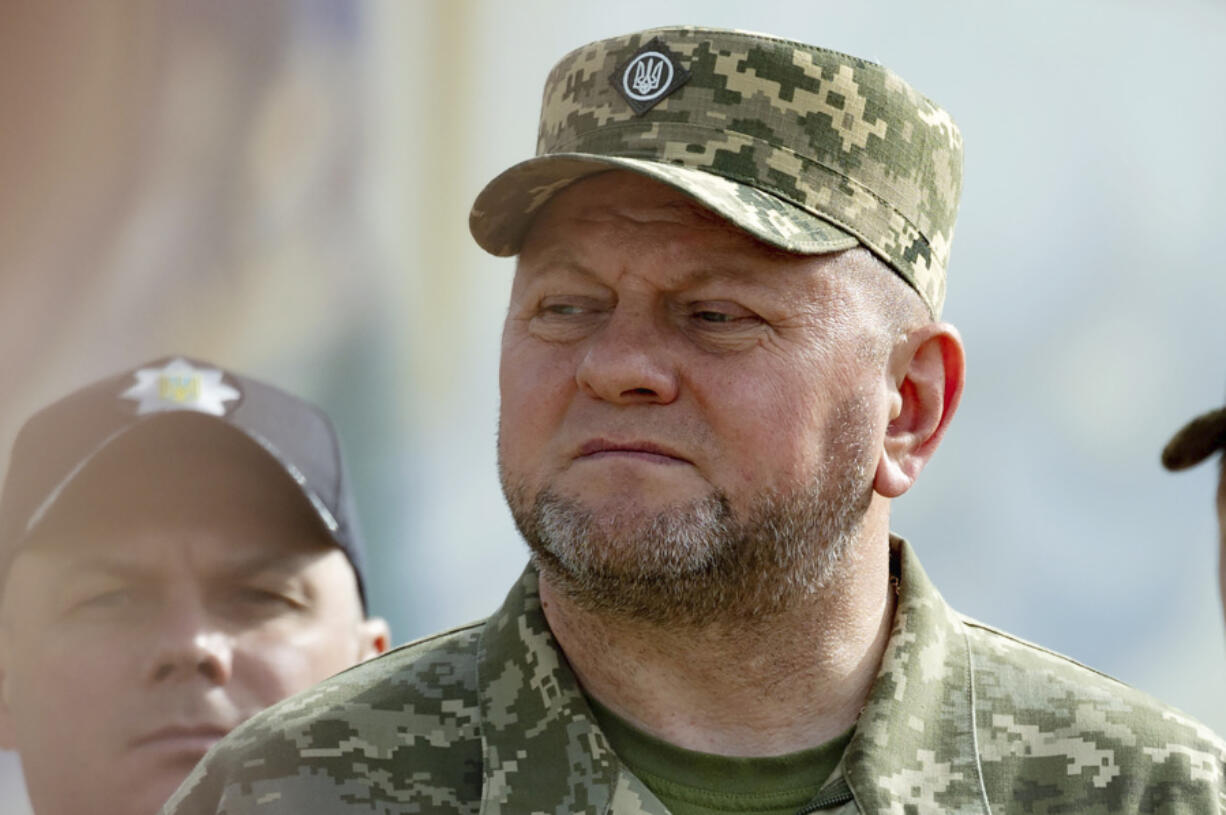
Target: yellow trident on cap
179, 388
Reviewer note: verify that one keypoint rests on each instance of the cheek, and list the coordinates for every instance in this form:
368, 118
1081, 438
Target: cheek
772, 421
271, 665
59, 688
530, 368
537, 384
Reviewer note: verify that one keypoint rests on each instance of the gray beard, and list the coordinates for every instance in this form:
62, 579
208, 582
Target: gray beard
700, 563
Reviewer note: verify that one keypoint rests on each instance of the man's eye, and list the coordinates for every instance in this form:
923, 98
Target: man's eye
264, 598
563, 309
259, 596
119, 598
113, 603
723, 315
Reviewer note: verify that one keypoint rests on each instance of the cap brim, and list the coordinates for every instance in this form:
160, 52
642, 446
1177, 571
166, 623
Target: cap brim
265, 447
504, 210
1196, 441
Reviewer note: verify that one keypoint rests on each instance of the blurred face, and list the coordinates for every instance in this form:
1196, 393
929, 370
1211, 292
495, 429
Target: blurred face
129, 650
687, 415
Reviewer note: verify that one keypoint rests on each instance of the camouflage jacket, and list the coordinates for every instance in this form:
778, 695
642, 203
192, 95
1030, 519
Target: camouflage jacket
489, 718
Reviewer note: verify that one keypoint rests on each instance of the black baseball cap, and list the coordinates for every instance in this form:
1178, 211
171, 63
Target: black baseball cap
57, 443
1196, 441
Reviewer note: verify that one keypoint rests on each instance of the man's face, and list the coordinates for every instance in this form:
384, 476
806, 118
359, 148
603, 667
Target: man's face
670, 385
127, 651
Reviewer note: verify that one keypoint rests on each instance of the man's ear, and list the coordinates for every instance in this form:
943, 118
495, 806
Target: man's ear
374, 638
929, 370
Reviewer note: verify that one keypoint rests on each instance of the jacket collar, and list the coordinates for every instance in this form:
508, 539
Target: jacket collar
543, 751
914, 749
914, 746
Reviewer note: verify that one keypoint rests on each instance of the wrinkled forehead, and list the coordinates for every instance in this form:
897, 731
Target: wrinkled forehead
618, 221
620, 217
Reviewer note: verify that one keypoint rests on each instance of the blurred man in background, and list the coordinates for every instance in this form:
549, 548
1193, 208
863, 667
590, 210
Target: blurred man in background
178, 550
1195, 442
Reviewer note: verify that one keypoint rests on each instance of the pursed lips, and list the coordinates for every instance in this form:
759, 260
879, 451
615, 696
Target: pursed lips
642, 450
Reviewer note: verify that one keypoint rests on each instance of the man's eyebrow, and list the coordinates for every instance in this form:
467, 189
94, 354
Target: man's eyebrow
557, 259
287, 563
725, 272
108, 564
99, 564
562, 259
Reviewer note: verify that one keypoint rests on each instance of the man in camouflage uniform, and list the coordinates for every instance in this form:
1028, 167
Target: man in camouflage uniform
1195, 442
721, 361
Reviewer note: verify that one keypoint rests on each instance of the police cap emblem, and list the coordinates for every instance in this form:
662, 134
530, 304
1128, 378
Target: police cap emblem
179, 385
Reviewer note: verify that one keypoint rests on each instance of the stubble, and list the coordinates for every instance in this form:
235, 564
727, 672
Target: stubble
696, 563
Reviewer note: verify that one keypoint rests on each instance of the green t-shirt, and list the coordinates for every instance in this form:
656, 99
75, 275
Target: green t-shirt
693, 783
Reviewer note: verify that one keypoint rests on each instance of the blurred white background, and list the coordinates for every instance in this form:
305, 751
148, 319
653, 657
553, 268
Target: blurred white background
283, 188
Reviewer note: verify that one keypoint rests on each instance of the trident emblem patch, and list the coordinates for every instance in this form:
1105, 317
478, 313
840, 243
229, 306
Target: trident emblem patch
651, 74
646, 70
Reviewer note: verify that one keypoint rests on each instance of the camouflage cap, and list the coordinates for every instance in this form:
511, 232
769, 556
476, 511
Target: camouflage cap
809, 150
1196, 441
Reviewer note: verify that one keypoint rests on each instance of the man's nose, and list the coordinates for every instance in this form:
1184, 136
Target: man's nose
190, 646
630, 360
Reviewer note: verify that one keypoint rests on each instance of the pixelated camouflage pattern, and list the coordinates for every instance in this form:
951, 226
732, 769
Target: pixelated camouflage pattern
489, 719
809, 150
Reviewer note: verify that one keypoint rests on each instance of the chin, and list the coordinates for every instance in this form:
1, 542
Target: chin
145, 798
156, 792
157, 784
635, 501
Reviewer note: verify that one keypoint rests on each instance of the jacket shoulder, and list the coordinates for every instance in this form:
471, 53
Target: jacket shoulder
403, 727
1049, 727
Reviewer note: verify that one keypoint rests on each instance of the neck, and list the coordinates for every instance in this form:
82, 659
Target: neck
753, 687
